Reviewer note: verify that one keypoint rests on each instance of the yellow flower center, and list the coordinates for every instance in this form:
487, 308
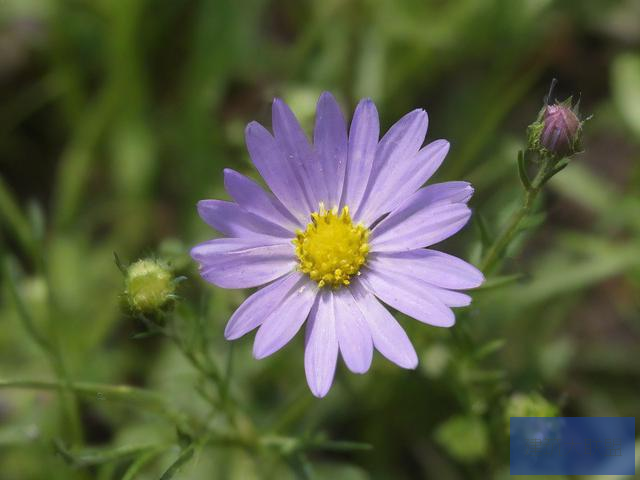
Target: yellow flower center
332, 249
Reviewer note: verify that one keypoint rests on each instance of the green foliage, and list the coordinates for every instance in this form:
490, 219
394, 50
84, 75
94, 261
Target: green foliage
118, 115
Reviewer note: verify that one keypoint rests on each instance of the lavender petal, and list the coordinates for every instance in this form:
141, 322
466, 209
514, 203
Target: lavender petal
251, 197
255, 309
388, 336
299, 156
409, 297
232, 220
418, 170
353, 333
276, 169
242, 263
393, 156
363, 140
321, 346
330, 142
284, 322
428, 216
430, 266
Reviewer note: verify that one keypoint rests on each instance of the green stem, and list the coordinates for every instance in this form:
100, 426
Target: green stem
502, 241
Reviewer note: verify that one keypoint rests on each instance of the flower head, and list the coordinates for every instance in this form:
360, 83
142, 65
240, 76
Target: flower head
345, 228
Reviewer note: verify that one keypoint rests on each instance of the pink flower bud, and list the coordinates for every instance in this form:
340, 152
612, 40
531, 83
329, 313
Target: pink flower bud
560, 129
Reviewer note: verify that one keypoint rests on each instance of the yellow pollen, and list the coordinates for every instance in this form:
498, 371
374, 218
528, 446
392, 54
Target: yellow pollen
331, 249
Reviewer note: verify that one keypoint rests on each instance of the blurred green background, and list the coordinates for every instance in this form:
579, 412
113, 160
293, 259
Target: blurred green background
118, 115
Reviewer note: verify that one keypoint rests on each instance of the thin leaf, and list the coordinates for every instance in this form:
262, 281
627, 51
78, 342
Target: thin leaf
497, 282
522, 172
24, 314
138, 464
562, 164
119, 264
142, 335
486, 239
97, 456
183, 458
301, 467
12, 216
340, 446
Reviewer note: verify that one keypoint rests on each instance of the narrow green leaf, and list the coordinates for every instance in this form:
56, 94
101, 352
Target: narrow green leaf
24, 314
497, 282
301, 467
138, 464
119, 264
12, 216
486, 238
522, 172
142, 335
562, 164
340, 446
97, 456
184, 457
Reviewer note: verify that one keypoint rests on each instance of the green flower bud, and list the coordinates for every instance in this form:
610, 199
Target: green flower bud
149, 286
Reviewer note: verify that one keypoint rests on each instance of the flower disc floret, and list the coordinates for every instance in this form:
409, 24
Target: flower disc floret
332, 249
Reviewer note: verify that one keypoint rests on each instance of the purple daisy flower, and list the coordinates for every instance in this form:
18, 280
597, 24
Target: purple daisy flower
346, 226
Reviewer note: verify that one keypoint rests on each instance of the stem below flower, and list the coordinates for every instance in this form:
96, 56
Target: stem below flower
510, 230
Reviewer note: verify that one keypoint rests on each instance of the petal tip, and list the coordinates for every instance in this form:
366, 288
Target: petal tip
253, 129
359, 370
478, 278
201, 205
319, 391
409, 361
229, 333
194, 253
421, 112
326, 96
443, 144
229, 172
258, 353
279, 104
368, 104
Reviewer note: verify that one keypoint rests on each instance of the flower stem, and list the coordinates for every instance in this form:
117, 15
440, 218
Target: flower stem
511, 229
